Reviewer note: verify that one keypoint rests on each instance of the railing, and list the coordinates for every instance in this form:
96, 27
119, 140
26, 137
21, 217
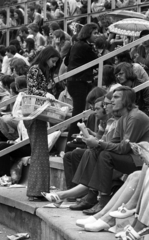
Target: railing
140, 4
98, 61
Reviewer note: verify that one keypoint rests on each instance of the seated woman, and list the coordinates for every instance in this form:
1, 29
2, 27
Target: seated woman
140, 226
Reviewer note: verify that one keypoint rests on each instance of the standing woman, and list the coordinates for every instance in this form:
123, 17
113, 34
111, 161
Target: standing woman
39, 76
79, 85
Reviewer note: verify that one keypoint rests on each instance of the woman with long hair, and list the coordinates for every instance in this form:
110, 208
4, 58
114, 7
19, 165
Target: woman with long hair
39, 76
79, 85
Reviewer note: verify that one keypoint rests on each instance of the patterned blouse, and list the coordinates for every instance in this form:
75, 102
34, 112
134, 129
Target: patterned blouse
36, 82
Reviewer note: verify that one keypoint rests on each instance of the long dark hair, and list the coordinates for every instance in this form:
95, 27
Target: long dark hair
43, 57
30, 44
86, 31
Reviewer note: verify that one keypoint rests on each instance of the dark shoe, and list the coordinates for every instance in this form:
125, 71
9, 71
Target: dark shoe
103, 200
81, 206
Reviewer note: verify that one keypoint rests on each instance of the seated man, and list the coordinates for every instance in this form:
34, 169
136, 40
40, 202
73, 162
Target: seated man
72, 159
117, 154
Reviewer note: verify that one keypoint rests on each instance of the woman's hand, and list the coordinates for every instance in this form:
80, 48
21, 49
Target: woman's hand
91, 141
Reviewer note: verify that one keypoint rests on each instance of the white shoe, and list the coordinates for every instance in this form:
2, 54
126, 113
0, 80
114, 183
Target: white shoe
82, 222
53, 197
97, 226
122, 212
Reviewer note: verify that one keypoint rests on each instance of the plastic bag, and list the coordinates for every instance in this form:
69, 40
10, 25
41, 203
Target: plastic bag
141, 149
17, 112
16, 171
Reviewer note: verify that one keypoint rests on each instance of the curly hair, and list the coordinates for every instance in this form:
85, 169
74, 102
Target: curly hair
20, 66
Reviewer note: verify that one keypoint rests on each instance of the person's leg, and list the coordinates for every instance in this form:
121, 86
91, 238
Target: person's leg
134, 199
39, 175
121, 196
86, 167
71, 161
140, 226
68, 170
77, 191
143, 202
127, 193
76, 158
101, 179
107, 161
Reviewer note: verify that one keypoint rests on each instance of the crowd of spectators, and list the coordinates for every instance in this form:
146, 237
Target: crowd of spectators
40, 51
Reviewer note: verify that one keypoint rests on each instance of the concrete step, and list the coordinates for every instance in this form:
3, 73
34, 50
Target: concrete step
42, 223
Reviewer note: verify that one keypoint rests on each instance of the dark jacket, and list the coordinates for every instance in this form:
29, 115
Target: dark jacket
80, 54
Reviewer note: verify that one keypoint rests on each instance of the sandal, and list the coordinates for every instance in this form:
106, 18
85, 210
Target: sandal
131, 234
53, 198
122, 212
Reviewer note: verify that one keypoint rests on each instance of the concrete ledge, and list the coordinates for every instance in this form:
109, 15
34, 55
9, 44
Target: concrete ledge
16, 198
43, 223
56, 162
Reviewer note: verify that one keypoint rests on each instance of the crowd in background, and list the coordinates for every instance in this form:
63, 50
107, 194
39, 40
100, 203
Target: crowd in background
40, 51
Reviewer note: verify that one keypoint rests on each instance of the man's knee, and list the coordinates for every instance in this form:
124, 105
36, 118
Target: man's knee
67, 157
105, 154
77, 153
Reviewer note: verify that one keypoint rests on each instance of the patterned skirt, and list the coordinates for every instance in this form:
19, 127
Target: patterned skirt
39, 176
